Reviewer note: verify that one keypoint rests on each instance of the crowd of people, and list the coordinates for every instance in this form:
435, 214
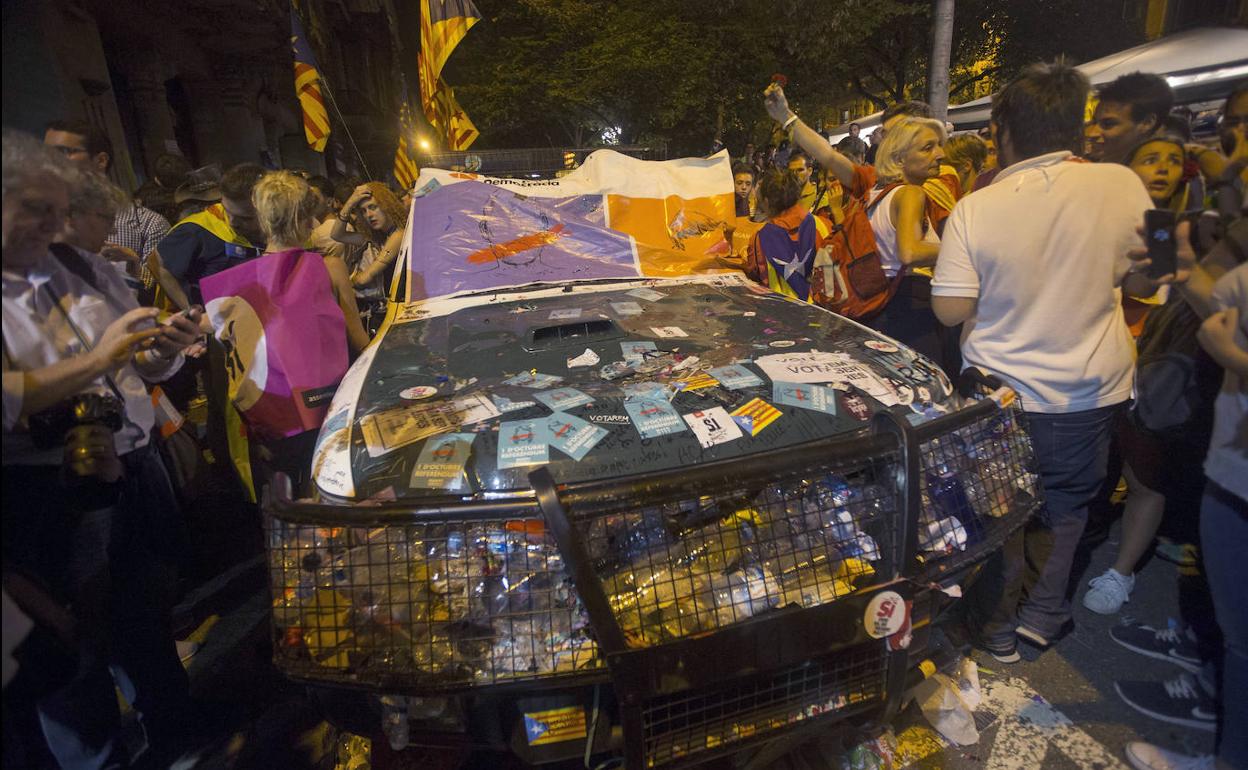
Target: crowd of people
1017, 250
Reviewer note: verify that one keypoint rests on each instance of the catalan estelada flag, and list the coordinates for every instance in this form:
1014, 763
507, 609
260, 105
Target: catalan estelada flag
405, 168
443, 23
308, 87
449, 118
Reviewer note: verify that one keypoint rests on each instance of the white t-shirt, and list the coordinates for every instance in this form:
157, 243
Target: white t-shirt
1227, 463
886, 232
1044, 249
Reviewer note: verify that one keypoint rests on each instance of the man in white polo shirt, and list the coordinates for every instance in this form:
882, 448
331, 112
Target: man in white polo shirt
1034, 264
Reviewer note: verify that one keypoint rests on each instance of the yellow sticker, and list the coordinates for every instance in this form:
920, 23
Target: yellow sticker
696, 381
755, 415
555, 725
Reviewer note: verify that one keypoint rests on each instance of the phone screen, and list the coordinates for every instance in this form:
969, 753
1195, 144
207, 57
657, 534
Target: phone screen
1162, 249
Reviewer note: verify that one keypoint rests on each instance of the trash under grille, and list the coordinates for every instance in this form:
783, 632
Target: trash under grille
976, 487
434, 604
696, 725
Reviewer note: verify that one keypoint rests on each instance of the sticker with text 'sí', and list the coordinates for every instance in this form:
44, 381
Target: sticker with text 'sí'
668, 331
736, 377
572, 435
441, 462
649, 295
654, 417
817, 398
713, 426
522, 442
563, 399
533, 380
626, 308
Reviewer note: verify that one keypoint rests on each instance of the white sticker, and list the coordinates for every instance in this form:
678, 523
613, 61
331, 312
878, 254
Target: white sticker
713, 426
588, 358
819, 367
881, 346
783, 344
885, 615
626, 308
649, 295
475, 408
668, 331
749, 314
566, 314
418, 392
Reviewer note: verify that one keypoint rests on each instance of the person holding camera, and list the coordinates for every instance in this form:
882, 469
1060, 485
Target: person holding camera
87, 503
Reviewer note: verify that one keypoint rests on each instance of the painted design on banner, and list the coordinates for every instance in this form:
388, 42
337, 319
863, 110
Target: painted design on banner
441, 462
572, 435
533, 380
626, 308
653, 417
521, 443
755, 415
817, 398
735, 377
713, 426
563, 399
635, 351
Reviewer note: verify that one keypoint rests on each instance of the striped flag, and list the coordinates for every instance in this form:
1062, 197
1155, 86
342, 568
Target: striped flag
308, 87
443, 23
405, 168
451, 120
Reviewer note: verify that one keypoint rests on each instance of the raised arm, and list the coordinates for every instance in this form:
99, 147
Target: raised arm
806, 137
340, 232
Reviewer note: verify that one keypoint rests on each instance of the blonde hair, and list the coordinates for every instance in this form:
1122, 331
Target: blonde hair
966, 150
900, 138
286, 207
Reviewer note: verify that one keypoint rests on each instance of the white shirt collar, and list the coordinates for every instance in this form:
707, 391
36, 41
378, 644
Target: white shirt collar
1039, 161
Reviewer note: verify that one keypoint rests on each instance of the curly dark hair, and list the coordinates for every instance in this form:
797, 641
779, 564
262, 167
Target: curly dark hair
778, 191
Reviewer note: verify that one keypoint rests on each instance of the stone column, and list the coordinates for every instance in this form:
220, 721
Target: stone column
153, 118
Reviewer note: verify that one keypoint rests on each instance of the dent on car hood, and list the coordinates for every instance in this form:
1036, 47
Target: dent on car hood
467, 395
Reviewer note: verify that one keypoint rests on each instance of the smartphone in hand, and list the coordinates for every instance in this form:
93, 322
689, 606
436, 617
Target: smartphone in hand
1159, 234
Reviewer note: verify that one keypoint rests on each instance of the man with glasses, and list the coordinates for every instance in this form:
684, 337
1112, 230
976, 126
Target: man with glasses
135, 228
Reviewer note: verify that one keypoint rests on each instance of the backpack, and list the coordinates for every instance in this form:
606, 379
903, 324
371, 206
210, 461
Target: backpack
847, 277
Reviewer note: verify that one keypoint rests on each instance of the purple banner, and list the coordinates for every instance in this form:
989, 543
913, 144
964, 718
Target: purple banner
472, 236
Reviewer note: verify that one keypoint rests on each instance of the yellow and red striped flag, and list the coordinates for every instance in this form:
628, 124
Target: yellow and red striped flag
443, 23
405, 168
449, 118
308, 87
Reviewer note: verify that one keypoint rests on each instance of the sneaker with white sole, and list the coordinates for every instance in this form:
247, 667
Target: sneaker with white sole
1179, 701
1108, 592
1146, 756
1173, 644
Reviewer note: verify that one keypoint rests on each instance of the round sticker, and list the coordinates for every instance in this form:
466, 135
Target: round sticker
418, 392
885, 615
904, 393
881, 346
783, 344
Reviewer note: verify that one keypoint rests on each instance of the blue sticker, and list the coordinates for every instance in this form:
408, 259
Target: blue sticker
533, 380
635, 352
572, 435
522, 442
562, 399
441, 462
654, 417
645, 390
504, 404
817, 398
735, 377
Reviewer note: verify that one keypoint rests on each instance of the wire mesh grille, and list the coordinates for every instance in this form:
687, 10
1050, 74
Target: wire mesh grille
678, 727
683, 567
976, 487
447, 603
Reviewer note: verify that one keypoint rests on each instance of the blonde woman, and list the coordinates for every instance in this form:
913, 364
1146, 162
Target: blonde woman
968, 154
286, 207
905, 240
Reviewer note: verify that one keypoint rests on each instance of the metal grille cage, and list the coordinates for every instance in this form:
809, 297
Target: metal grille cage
430, 604
976, 487
682, 567
692, 726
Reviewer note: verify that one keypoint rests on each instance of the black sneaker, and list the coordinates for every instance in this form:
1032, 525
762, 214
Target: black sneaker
1179, 701
1171, 644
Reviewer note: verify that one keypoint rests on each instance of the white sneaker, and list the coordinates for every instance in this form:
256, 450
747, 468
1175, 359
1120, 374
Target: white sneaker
1146, 756
1108, 592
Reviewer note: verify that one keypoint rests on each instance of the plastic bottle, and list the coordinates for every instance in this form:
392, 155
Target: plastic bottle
394, 721
950, 500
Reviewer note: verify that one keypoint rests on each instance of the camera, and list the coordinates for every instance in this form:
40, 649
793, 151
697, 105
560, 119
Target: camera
85, 424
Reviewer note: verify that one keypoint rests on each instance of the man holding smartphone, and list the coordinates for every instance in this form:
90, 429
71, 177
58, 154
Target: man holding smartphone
1035, 265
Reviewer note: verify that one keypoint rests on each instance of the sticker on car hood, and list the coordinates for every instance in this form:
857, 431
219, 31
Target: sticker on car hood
441, 462
713, 426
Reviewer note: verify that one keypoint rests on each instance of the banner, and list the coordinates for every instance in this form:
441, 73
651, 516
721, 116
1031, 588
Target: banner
615, 216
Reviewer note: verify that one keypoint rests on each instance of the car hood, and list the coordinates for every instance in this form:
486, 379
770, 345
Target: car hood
452, 382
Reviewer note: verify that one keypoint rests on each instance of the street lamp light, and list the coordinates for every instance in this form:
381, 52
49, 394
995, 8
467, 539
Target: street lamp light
424, 144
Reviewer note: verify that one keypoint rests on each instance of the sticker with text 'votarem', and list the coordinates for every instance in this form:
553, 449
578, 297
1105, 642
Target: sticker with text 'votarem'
645, 390
533, 380
562, 399
817, 398
736, 377
635, 351
522, 442
626, 308
654, 417
649, 295
713, 426
441, 462
572, 435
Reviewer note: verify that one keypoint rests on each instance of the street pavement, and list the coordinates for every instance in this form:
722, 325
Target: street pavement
1055, 709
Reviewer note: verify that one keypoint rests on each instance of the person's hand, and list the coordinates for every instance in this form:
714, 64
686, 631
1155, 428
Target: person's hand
124, 337
180, 333
115, 253
358, 280
776, 103
1184, 253
1217, 335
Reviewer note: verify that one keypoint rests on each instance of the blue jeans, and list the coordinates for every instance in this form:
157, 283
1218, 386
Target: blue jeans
1224, 544
1026, 582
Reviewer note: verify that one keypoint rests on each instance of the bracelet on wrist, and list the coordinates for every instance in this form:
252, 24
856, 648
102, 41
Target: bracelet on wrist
789, 121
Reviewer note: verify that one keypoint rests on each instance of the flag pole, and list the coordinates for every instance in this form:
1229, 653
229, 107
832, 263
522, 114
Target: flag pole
334, 103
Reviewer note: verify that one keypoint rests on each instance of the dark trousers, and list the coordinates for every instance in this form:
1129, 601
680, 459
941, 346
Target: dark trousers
908, 318
1224, 542
112, 568
1026, 583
